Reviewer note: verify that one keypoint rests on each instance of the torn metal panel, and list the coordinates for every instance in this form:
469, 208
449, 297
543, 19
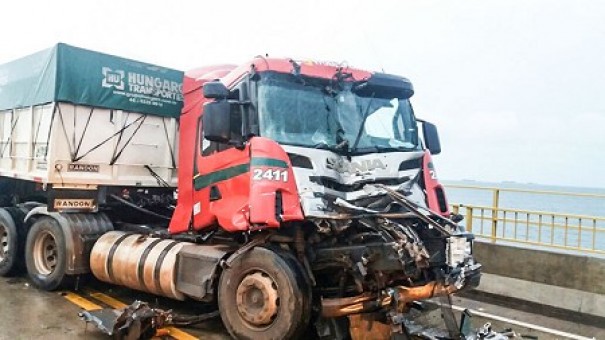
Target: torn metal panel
138, 320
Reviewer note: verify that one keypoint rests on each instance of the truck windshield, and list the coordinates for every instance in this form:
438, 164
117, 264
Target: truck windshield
307, 112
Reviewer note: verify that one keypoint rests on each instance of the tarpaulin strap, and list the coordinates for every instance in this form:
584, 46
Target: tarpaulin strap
83, 131
73, 135
35, 140
116, 156
10, 137
115, 148
50, 129
169, 145
109, 138
73, 157
158, 178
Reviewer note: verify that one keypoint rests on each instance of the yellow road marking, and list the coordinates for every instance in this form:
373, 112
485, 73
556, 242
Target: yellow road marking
172, 331
180, 335
107, 299
81, 302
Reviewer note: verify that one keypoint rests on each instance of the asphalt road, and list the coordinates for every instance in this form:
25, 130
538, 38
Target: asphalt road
27, 313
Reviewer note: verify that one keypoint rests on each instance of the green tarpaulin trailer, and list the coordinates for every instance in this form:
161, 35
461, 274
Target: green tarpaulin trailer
69, 74
71, 117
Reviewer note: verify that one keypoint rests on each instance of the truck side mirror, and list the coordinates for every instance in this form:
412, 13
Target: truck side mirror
215, 90
216, 121
431, 138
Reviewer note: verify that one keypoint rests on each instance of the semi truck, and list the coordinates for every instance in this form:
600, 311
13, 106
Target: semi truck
294, 195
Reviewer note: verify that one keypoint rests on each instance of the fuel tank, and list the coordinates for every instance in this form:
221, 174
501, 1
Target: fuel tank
138, 262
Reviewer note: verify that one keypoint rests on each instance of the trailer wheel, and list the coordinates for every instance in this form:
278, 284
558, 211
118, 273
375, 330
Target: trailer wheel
9, 244
262, 296
45, 254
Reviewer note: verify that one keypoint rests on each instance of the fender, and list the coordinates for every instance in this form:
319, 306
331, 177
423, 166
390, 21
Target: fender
81, 231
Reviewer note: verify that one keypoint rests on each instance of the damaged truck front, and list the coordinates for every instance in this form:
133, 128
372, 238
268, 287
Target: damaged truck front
377, 229
343, 187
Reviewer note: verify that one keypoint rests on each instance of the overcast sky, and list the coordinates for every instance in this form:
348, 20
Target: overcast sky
517, 88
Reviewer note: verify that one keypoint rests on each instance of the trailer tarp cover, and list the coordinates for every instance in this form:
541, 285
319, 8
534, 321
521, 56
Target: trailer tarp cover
65, 73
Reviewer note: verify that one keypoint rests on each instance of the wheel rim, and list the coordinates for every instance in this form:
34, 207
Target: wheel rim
257, 299
4, 246
45, 253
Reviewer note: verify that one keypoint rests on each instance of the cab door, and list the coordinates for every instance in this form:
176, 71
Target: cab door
221, 178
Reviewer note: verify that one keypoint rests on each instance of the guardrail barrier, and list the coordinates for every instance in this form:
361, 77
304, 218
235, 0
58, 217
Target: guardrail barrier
583, 233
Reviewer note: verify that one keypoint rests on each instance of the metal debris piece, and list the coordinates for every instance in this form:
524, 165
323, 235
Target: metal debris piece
138, 320
374, 326
486, 332
104, 319
392, 325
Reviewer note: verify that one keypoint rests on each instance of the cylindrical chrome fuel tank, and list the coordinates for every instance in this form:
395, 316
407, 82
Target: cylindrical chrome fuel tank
138, 262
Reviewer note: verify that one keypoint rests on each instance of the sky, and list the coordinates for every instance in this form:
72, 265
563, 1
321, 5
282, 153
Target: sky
516, 88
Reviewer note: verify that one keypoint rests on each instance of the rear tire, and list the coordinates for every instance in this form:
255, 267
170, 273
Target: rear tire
11, 250
264, 296
45, 254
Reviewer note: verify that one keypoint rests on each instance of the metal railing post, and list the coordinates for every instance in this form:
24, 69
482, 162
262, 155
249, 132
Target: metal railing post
495, 204
469, 219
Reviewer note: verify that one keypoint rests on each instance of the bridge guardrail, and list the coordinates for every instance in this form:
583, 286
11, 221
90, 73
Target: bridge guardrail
575, 232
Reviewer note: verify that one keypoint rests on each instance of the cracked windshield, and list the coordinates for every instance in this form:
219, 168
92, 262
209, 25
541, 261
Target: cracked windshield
304, 112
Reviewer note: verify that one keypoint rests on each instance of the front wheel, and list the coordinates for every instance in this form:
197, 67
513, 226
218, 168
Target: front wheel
45, 254
264, 296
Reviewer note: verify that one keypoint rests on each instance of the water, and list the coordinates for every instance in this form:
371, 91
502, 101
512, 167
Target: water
571, 232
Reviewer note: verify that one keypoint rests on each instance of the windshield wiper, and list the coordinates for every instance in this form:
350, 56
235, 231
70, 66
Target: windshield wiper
334, 148
322, 145
326, 146
363, 122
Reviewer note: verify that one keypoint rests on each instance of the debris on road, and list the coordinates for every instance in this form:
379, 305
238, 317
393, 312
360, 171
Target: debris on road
138, 320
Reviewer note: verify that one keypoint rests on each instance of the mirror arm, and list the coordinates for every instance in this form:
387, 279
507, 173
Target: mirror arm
242, 104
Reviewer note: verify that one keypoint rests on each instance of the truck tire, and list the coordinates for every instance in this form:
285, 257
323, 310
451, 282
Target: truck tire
263, 295
45, 254
10, 247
